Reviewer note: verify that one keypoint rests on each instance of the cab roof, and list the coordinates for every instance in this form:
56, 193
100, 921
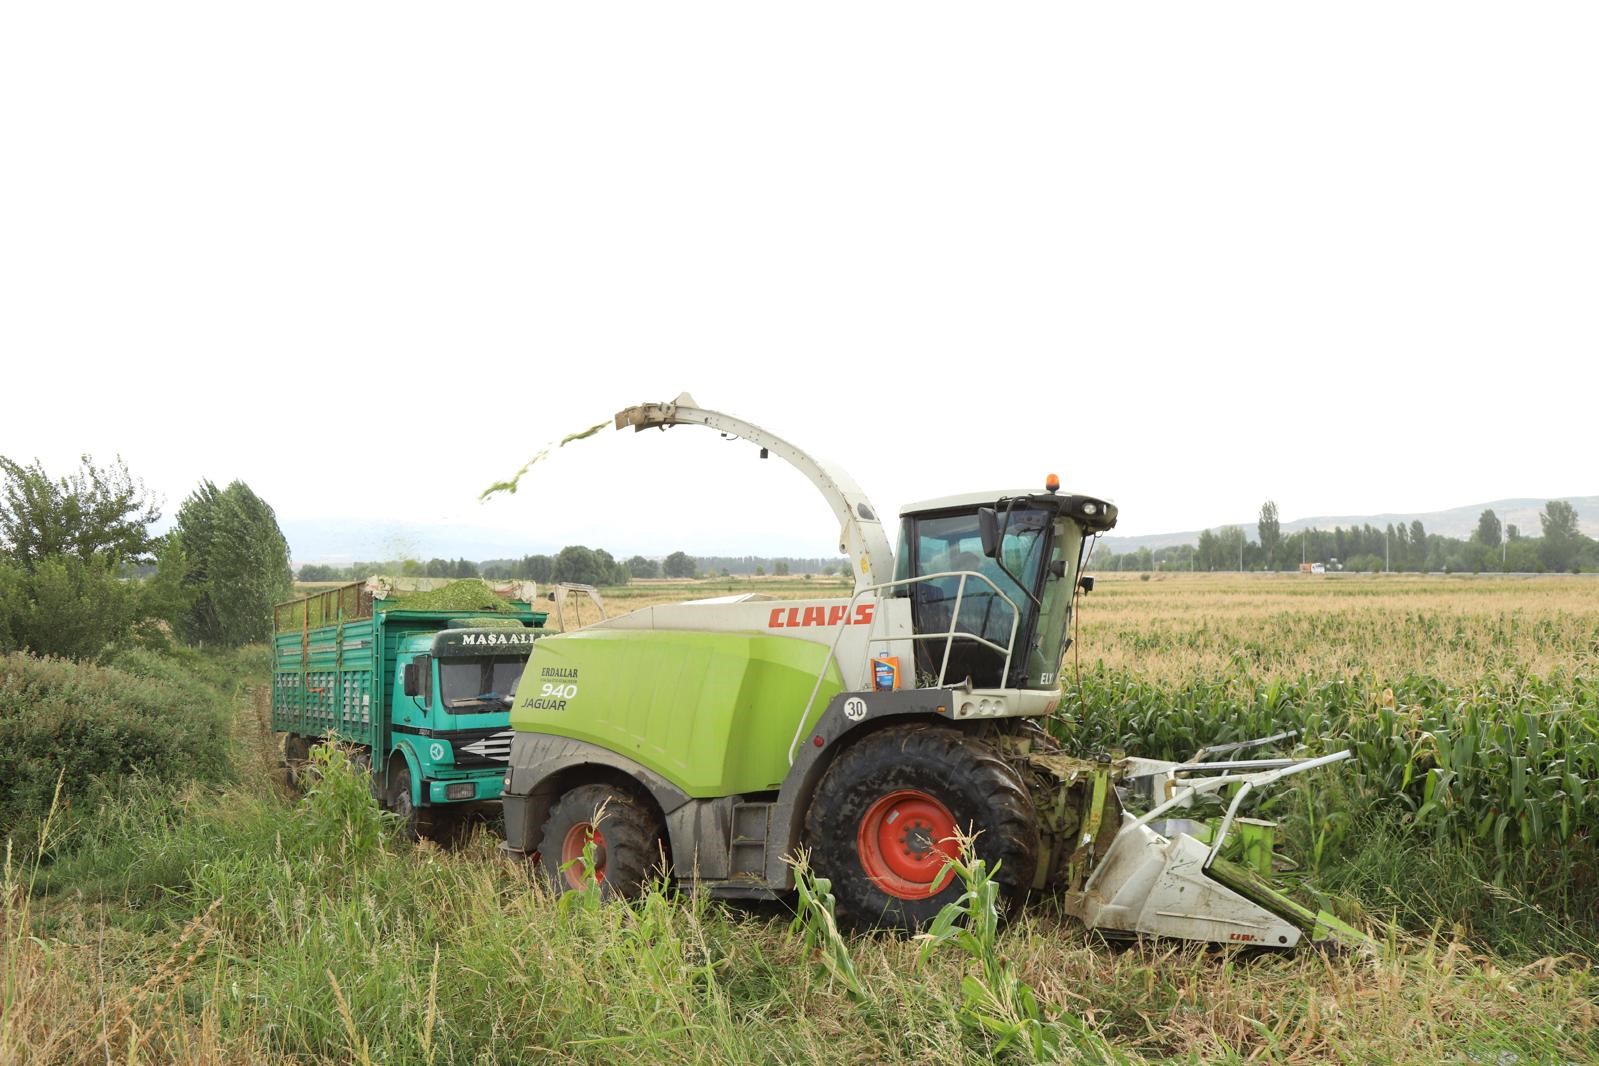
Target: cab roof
1092, 513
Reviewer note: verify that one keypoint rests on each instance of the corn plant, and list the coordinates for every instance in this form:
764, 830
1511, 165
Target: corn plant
818, 922
1511, 764
586, 898
995, 1002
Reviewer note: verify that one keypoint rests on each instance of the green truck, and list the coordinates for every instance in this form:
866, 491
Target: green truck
418, 679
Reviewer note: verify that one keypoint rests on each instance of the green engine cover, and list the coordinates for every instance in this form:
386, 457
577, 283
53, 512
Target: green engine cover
714, 713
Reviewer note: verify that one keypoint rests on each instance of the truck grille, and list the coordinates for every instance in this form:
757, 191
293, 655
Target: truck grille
484, 749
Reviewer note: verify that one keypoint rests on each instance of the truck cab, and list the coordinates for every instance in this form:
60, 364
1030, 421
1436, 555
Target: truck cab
450, 708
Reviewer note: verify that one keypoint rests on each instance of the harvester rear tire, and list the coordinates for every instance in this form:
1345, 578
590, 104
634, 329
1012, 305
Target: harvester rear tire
890, 796
628, 838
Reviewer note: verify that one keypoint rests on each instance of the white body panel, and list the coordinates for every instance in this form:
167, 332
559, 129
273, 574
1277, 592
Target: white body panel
875, 627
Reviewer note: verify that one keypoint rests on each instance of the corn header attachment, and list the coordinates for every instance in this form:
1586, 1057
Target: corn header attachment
1122, 843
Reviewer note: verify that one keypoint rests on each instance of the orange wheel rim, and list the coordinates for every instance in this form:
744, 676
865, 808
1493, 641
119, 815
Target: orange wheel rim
904, 841
572, 854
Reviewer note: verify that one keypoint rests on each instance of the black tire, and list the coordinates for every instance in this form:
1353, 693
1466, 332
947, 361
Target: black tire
398, 802
628, 840
296, 759
885, 778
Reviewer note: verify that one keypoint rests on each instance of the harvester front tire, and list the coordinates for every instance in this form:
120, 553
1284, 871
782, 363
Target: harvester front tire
882, 817
628, 838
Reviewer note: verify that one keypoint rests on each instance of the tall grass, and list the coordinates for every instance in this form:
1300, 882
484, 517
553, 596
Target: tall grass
251, 925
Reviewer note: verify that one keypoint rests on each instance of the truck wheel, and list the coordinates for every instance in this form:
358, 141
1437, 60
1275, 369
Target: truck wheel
398, 802
883, 820
296, 756
628, 841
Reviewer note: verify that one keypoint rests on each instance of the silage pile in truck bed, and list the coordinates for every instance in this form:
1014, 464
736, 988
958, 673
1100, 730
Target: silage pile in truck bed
468, 594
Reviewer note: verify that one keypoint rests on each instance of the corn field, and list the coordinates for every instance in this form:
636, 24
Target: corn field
1472, 707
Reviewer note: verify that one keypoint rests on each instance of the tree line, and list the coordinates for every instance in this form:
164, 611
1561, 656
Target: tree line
577, 563
82, 572
1493, 547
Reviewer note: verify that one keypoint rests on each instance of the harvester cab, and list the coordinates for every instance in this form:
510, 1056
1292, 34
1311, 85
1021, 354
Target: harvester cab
717, 738
990, 573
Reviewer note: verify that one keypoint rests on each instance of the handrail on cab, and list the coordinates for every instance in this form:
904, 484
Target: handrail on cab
949, 637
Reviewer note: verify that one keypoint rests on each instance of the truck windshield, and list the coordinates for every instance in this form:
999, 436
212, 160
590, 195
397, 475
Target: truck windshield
465, 682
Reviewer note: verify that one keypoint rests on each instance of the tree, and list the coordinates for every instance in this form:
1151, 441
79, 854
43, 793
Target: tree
1270, 532
780, 568
1418, 545
65, 549
438, 568
97, 513
1559, 519
1488, 532
679, 564
236, 565
1521, 556
318, 572
579, 565
614, 572
1562, 540
641, 567
1230, 542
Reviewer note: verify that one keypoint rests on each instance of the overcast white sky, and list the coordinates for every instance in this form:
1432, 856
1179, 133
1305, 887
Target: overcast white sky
370, 257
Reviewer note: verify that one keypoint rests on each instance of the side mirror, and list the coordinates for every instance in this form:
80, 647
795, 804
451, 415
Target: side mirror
412, 688
988, 529
1086, 583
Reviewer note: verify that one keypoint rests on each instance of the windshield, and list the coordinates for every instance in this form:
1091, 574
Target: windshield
466, 682
954, 543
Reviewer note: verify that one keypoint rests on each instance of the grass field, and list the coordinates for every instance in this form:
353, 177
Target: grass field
242, 924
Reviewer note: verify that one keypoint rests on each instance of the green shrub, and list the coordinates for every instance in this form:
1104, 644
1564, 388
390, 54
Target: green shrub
66, 606
91, 727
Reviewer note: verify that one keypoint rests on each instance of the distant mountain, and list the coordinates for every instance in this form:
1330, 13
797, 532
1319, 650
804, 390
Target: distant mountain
1459, 522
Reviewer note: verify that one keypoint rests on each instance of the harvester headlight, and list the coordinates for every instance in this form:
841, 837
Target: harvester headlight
1090, 508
